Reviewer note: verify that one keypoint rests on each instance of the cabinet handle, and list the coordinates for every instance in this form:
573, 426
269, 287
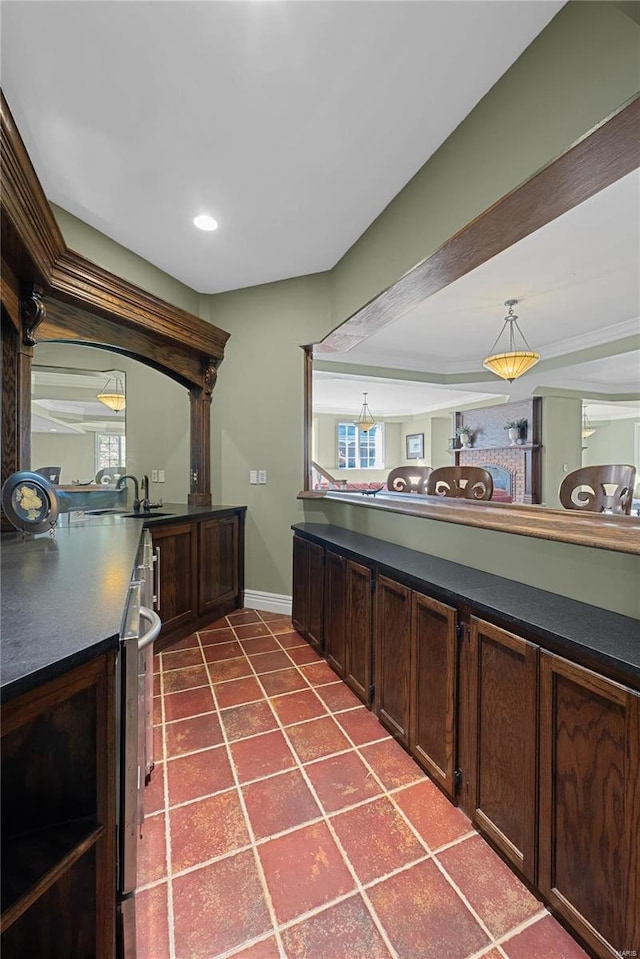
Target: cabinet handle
156, 560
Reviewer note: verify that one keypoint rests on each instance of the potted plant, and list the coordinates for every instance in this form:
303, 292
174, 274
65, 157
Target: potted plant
517, 431
465, 434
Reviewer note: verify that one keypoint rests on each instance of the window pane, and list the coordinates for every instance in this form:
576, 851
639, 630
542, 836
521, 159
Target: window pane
110, 450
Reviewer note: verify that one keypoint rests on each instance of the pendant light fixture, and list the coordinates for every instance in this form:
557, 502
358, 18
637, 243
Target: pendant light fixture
113, 394
365, 421
587, 428
512, 361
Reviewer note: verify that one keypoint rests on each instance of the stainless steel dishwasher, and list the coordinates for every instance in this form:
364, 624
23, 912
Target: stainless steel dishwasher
134, 680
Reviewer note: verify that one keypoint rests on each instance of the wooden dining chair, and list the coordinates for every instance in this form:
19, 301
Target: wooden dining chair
408, 479
599, 489
462, 482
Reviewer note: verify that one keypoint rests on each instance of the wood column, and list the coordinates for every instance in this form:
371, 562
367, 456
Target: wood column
200, 439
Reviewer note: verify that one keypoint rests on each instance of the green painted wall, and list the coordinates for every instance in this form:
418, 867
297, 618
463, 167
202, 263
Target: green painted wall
561, 444
98, 248
612, 442
577, 72
581, 68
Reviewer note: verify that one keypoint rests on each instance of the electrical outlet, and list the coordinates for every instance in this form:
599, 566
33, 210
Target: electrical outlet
154, 476
161, 476
253, 477
262, 476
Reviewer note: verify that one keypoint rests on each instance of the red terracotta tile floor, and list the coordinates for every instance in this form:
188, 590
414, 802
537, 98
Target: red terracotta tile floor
285, 823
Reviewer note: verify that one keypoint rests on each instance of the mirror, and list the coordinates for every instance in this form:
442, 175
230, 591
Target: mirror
71, 428
152, 433
577, 282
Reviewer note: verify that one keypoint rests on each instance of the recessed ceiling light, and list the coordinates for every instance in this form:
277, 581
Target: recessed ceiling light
205, 222
52, 429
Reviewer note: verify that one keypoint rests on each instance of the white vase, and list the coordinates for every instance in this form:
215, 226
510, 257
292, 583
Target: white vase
514, 435
465, 440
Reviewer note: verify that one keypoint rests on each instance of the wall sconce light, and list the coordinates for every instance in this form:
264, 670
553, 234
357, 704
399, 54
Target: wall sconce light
365, 421
113, 394
512, 362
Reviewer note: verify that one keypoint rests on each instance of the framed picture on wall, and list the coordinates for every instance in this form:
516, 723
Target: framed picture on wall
415, 446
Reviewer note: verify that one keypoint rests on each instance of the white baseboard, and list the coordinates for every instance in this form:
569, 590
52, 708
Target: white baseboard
269, 602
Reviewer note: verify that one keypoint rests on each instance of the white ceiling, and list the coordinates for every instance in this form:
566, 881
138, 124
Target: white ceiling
293, 123
578, 282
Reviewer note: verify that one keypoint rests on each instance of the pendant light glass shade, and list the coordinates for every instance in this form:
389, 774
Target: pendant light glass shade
512, 361
587, 428
365, 421
113, 394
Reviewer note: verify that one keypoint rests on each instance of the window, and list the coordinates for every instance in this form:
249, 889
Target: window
358, 450
110, 450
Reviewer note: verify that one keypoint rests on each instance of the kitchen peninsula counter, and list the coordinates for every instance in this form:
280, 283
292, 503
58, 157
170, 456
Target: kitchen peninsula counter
63, 596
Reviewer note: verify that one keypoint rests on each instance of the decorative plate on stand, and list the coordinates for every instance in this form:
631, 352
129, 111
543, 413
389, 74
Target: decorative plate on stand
30, 502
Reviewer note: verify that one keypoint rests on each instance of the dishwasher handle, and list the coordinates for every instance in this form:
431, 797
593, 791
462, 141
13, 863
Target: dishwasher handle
153, 629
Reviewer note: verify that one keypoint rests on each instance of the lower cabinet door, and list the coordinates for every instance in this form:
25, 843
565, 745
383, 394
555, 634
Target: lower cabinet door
308, 590
590, 804
434, 657
315, 607
218, 562
504, 719
359, 630
393, 657
176, 548
335, 612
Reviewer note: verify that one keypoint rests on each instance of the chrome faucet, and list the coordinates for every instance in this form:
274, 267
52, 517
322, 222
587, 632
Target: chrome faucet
146, 502
136, 501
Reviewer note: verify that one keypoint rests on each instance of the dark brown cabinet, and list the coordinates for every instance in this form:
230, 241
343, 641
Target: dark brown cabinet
199, 572
504, 723
549, 750
308, 591
336, 615
348, 617
392, 646
218, 548
359, 633
590, 804
58, 818
434, 672
176, 551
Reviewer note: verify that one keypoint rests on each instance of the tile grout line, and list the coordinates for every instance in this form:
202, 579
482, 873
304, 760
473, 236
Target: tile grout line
241, 799
358, 885
299, 764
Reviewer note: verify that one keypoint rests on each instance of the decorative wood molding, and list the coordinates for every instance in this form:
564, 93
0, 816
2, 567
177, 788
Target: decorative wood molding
76, 280
70, 280
593, 163
33, 314
23, 201
78, 301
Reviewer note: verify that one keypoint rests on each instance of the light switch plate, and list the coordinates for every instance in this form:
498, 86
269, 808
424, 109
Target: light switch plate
161, 476
154, 476
262, 476
253, 477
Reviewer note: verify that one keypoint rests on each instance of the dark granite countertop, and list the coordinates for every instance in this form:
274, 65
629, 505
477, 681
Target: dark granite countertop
62, 600
595, 637
63, 597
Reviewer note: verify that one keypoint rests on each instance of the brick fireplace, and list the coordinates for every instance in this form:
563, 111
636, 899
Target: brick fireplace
507, 466
516, 469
